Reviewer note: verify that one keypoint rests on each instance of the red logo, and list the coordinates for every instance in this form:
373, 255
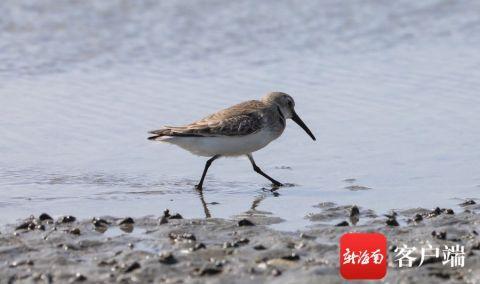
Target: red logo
363, 256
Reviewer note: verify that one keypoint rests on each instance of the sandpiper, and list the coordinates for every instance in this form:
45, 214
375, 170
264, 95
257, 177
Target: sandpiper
238, 130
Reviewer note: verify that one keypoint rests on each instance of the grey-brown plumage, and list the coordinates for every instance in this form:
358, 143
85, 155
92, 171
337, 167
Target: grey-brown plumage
238, 120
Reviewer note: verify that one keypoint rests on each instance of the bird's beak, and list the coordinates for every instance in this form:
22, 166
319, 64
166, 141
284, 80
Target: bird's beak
299, 121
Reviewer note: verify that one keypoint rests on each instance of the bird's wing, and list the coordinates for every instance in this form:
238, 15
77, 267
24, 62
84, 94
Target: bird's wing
239, 120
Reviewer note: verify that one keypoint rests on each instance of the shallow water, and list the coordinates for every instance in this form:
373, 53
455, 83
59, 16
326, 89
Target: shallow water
390, 91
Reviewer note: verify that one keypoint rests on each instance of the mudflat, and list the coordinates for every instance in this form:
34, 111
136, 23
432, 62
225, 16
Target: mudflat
245, 249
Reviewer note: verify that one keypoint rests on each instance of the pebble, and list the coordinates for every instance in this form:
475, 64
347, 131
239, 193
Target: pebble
259, 247
242, 241
275, 272
23, 226
107, 262
392, 221
290, 244
47, 277
449, 211
218, 262
78, 278
45, 217
307, 237
28, 262
198, 246
97, 222
127, 221
476, 246
166, 216
176, 216
167, 258
417, 218
229, 245
68, 247
134, 266
207, 271
75, 231
291, 257
182, 236
440, 235
434, 213
245, 222
468, 202
66, 219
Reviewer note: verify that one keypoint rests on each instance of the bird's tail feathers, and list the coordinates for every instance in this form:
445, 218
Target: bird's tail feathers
171, 131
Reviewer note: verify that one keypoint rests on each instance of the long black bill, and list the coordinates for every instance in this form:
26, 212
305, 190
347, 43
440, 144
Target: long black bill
299, 121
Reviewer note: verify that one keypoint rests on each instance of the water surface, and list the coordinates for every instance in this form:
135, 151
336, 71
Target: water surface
390, 91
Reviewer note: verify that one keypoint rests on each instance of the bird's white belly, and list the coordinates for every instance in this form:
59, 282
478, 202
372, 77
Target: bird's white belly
223, 145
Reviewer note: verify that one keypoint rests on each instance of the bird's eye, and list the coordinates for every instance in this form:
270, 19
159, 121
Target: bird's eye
290, 103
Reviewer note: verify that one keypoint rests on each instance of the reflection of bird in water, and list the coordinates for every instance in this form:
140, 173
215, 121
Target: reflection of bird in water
253, 207
257, 201
262, 196
204, 204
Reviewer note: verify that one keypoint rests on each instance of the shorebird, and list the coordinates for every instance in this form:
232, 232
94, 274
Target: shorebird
236, 131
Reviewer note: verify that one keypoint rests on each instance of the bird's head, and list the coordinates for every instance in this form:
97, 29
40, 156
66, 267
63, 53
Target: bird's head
286, 107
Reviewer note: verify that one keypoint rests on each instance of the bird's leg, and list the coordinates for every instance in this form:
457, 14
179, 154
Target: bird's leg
258, 170
207, 165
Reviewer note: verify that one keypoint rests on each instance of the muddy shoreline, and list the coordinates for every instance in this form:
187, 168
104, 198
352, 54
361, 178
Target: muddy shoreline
170, 249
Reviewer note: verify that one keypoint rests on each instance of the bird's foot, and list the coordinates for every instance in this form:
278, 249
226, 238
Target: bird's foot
199, 187
276, 184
